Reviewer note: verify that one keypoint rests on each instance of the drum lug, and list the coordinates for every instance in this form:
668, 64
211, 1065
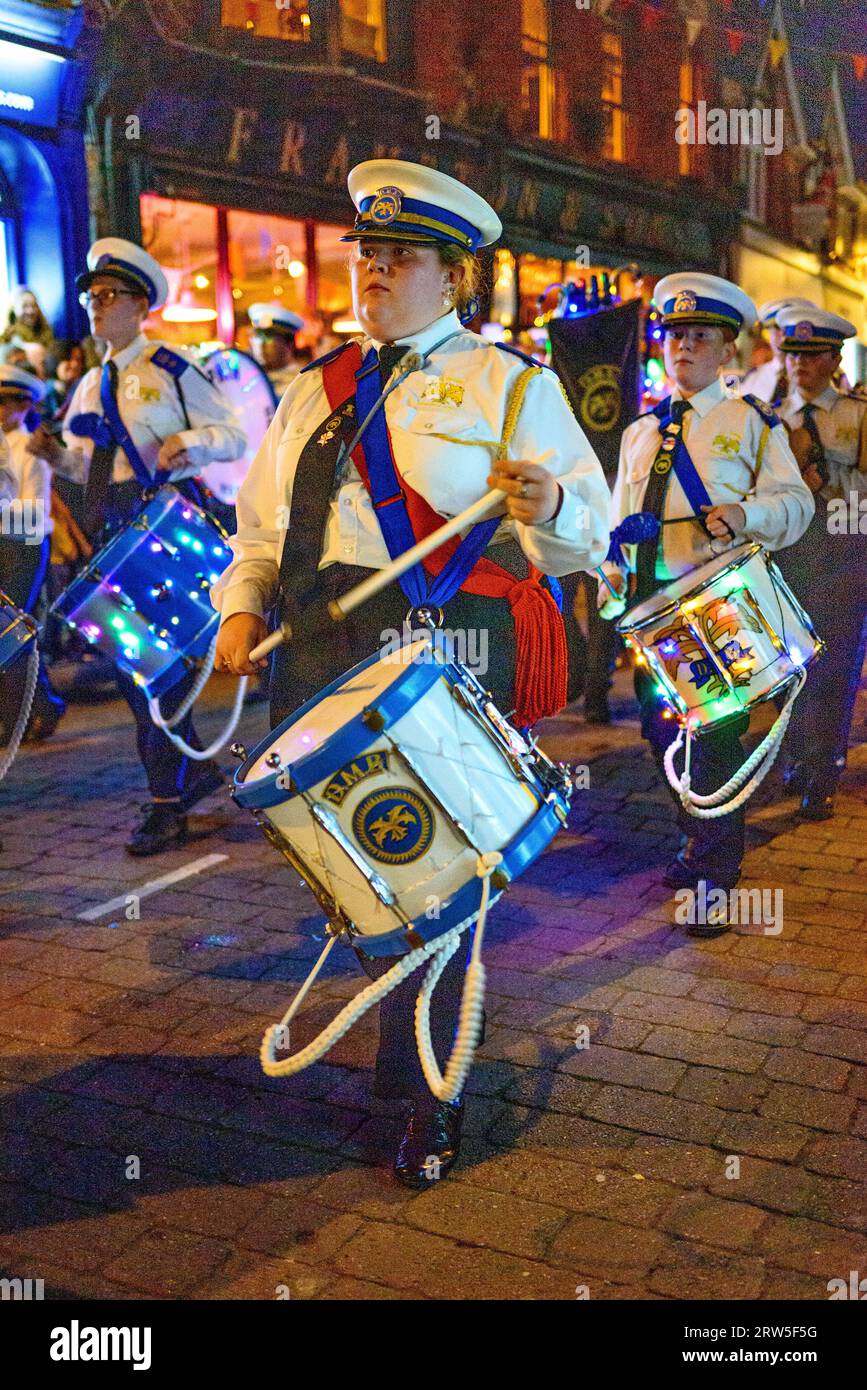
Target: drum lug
238, 751
373, 720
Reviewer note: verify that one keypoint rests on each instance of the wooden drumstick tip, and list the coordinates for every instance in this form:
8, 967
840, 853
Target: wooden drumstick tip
335, 611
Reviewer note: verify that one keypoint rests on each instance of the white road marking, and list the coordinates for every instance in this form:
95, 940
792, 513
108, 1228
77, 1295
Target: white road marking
155, 885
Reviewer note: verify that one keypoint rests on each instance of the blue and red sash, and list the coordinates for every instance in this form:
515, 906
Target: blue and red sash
405, 518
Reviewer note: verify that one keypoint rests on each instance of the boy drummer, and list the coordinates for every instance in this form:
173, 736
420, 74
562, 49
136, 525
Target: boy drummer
743, 462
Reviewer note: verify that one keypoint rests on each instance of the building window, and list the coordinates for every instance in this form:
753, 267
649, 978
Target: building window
219, 261
269, 19
614, 138
538, 79
686, 102
182, 236
362, 28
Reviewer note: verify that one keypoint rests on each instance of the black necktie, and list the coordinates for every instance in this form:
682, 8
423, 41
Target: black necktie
99, 472
388, 360
654, 500
816, 455
781, 387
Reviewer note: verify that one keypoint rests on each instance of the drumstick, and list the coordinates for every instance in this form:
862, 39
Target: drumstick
281, 634
342, 607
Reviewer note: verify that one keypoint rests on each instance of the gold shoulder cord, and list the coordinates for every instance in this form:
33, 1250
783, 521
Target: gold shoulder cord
513, 409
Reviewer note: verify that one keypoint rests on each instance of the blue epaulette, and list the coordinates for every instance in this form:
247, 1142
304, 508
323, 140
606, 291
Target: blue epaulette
328, 357
770, 417
171, 362
524, 356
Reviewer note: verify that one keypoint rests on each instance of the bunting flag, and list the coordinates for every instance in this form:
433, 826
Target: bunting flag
650, 17
776, 48
693, 29
859, 63
735, 39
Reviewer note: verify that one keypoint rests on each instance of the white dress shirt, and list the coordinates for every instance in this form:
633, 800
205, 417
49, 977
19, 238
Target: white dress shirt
762, 381
150, 407
738, 458
841, 423
445, 422
29, 477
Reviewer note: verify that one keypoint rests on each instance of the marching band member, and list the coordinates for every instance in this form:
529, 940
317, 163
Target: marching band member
157, 418
769, 382
827, 569
25, 543
273, 343
413, 271
740, 453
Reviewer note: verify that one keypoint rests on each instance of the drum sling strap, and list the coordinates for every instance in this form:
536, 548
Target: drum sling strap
672, 456
405, 517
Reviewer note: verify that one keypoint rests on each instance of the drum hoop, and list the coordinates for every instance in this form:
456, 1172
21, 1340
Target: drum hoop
674, 603
413, 681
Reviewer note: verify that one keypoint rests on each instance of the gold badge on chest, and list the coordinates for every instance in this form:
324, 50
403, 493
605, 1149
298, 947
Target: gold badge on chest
443, 391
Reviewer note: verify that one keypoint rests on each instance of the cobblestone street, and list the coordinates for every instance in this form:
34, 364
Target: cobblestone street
609, 1166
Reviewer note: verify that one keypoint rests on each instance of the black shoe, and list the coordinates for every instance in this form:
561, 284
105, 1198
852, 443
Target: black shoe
681, 873
717, 923
209, 780
815, 805
42, 726
163, 827
431, 1144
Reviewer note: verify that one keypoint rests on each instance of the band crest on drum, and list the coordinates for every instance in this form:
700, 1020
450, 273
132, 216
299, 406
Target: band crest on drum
352, 773
394, 825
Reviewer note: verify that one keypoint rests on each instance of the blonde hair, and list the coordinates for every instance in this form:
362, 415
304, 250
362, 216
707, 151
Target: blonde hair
470, 285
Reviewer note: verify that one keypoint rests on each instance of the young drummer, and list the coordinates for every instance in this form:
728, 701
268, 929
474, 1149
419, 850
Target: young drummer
413, 273
740, 453
827, 569
158, 418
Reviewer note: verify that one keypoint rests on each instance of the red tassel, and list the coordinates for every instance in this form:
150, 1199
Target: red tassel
541, 653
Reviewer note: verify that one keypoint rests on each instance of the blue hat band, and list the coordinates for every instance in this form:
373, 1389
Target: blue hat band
19, 388
113, 265
700, 307
418, 219
819, 338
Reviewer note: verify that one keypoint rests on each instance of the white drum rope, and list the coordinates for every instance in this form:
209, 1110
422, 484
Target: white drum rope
733, 794
438, 952
24, 714
199, 755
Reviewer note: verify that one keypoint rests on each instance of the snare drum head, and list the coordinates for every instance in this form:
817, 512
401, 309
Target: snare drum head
241, 380
340, 704
693, 582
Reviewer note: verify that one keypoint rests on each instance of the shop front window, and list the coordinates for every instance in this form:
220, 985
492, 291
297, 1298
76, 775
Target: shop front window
269, 19
267, 265
182, 236
538, 79
614, 140
362, 28
503, 288
333, 296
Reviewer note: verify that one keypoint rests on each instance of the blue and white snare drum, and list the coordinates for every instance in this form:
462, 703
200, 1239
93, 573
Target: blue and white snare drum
384, 790
143, 599
722, 638
17, 631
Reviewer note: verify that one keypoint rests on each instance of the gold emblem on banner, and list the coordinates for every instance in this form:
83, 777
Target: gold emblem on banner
600, 397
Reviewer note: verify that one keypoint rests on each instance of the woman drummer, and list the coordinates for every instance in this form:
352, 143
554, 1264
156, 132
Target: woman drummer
454, 398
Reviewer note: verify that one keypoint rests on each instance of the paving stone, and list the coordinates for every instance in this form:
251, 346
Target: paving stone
692, 1270
754, 1134
728, 1090
812, 1247
712, 1221
603, 1063
168, 1264
656, 1114
789, 1064
498, 1220
837, 1155
777, 1186
707, 1049
608, 1248
804, 1106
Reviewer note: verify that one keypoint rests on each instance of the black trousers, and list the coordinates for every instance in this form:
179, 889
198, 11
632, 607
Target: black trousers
717, 844
828, 574
22, 574
322, 650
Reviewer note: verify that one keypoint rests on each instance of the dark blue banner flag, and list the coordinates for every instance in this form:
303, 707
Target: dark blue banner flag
597, 357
